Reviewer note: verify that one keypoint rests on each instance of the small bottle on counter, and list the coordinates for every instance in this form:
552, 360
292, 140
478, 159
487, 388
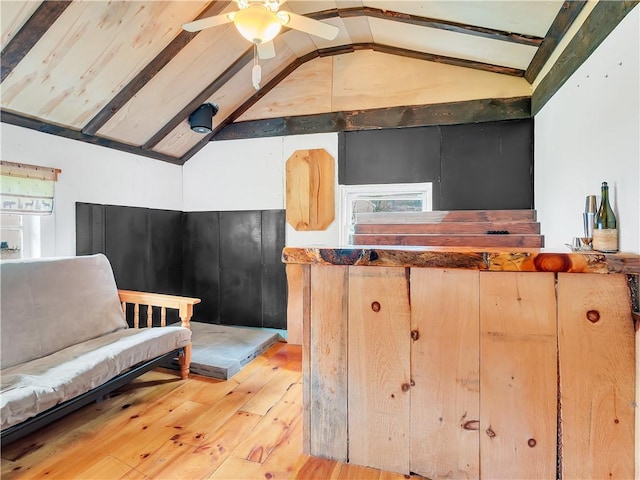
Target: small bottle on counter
605, 230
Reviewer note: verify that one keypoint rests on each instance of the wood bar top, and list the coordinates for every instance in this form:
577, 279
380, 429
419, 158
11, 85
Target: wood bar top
490, 259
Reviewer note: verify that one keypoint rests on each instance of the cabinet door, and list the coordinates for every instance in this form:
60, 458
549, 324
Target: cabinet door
518, 375
596, 345
445, 399
378, 368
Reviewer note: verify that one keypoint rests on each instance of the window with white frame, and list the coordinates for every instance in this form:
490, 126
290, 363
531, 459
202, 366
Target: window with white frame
10, 236
396, 197
26, 193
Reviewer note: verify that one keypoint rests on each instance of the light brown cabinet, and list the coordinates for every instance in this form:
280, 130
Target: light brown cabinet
454, 372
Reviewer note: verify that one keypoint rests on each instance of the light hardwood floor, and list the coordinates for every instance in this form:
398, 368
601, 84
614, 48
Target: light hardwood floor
158, 426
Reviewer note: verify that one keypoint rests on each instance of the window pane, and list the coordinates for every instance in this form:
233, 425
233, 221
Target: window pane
357, 199
10, 236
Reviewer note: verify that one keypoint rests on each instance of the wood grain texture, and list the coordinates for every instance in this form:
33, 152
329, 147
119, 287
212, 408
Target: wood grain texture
440, 24
448, 227
565, 18
327, 378
33, 124
518, 379
597, 356
367, 78
148, 72
310, 190
604, 17
70, 74
447, 113
445, 401
99, 440
284, 411
444, 216
491, 259
231, 91
450, 240
24, 39
306, 360
379, 368
306, 90
444, 59
14, 16
294, 304
193, 69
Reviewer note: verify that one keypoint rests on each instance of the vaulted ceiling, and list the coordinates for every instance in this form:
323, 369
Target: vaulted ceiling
125, 75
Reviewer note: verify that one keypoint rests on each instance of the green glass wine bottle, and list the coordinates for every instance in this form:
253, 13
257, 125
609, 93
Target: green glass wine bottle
605, 230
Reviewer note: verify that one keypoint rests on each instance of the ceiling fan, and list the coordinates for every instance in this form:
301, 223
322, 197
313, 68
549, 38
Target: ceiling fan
259, 21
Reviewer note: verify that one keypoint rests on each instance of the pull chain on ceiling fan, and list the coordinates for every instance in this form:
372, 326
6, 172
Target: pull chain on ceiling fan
259, 21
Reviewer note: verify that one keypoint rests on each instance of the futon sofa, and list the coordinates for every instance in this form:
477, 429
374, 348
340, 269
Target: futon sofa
66, 341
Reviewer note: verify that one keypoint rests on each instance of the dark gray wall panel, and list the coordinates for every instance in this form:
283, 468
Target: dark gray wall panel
165, 251
473, 166
241, 268
240, 279
90, 229
487, 166
274, 279
201, 256
127, 246
407, 155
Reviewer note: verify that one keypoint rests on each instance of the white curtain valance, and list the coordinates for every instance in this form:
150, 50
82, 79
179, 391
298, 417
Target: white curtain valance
27, 189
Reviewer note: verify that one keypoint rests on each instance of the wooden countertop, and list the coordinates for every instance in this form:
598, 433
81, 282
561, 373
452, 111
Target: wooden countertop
490, 259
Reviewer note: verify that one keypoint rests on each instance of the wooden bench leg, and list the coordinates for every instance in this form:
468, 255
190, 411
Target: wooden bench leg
184, 360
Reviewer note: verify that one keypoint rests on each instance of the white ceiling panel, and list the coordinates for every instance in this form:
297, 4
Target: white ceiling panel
358, 29
520, 16
308, 6
450, 44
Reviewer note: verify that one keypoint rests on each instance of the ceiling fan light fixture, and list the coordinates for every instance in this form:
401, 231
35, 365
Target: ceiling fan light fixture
257, 23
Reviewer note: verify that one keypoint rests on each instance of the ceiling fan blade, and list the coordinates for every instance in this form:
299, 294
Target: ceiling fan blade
266, 50
208, 22
309, 25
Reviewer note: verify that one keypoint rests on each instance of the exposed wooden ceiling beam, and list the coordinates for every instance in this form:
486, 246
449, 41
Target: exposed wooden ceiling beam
214, 86
148, 72
565, 18
40, 126
604, 17
184, 37
251, 101
441, 25
338, 50
472, 111
430, 57
24, 40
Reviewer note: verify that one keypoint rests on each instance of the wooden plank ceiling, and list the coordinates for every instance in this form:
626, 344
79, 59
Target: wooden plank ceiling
125, 75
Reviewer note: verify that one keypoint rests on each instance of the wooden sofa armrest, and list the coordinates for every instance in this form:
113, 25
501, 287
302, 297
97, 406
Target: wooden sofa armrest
184, 305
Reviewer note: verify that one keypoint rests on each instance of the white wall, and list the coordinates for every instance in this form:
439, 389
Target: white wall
89, 174
250, 175
589, 132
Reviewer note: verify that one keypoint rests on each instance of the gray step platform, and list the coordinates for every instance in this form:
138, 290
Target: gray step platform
220, 351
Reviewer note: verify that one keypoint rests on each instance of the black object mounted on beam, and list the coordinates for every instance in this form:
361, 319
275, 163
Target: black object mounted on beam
201, 120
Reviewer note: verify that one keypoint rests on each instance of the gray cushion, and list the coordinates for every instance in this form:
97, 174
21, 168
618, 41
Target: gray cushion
51, 304
35, 386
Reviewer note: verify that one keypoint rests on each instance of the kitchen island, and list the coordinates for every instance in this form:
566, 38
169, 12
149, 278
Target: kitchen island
469, 363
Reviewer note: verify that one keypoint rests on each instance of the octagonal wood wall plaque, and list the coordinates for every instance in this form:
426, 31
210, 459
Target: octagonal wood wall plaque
310, 201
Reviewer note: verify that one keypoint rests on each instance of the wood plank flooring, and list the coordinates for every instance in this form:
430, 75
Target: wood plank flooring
158, 426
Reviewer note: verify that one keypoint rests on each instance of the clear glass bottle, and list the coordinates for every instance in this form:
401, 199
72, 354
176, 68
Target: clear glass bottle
605, 230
